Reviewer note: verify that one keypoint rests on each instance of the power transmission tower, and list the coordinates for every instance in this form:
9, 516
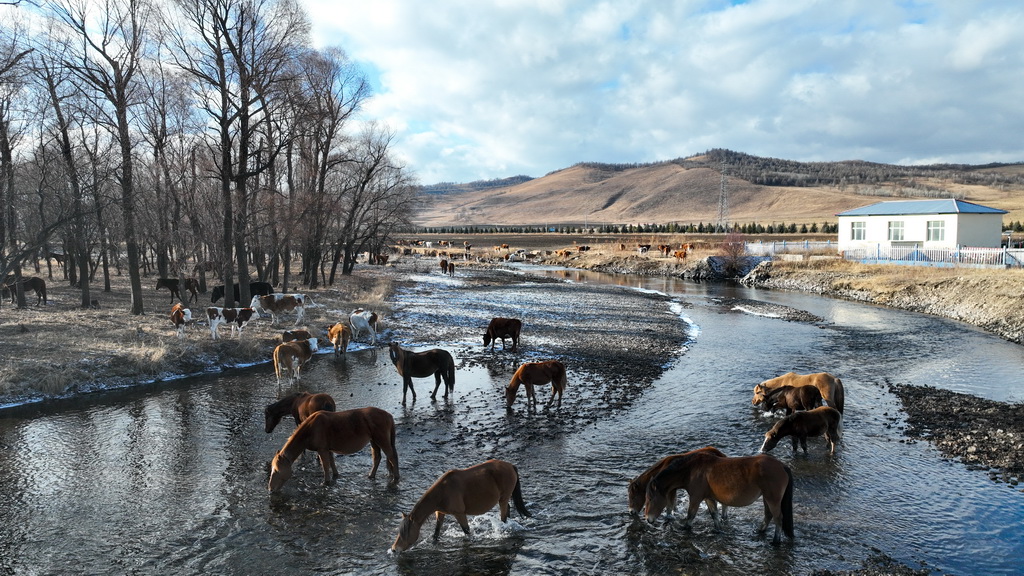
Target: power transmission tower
723, 205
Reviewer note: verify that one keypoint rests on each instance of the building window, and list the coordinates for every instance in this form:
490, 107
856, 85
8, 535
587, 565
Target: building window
895, 231
858, 230
936, 231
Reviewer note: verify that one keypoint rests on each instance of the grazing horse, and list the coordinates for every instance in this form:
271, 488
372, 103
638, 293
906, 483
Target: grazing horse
300, 405
792, 398
536, 374
638, 486
738, 481
823, 420
34, 283
470, 491
172, 285
831, 388
421, 365
345, 432
503, 328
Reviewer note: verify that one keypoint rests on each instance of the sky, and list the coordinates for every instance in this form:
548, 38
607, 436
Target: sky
478, 90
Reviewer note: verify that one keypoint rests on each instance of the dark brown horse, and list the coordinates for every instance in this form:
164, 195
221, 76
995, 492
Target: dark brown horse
791, 398
537, 374
831, 388
34, 283
436, 362
470, 491
709, 478
300, 405
638, 485
343, 432
823, 420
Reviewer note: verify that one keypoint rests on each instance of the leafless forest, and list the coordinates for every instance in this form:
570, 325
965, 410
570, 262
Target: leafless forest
186, 139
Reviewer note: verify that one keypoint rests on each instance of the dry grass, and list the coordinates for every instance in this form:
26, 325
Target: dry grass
60, 348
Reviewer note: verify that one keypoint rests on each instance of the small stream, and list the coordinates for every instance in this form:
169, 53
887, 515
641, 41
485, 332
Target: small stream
171, 477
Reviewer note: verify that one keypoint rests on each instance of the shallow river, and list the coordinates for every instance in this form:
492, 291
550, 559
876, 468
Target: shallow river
170, 478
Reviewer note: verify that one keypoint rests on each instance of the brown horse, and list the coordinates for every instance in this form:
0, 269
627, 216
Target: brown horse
300, 405
792, 398
831, 388
732, 481
343, 432
536, 374
436, 362
638, 485
34, 283
473, 490
799, 425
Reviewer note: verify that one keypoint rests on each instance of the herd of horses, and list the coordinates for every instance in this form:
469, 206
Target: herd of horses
813, 404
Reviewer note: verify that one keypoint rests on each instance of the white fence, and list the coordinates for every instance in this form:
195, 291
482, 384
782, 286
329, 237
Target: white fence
912, 254
789, 247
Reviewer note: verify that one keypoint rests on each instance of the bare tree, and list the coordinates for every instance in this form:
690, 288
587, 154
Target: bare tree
106, 58
241, 53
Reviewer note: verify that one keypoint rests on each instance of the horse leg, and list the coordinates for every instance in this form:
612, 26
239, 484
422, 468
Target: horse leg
691, 512
437, 384
327, 463
503, 510
670, 508
713, 510
803, 443
463, 521
437, 527
375, 454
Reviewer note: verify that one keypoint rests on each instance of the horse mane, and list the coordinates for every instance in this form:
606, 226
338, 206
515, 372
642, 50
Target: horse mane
682, 464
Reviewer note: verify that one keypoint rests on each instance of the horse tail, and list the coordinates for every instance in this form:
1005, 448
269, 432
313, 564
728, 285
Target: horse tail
840, 395
42, 289
787, 505
517, 496
449, 374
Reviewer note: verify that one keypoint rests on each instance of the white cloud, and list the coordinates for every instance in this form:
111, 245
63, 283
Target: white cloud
487, 90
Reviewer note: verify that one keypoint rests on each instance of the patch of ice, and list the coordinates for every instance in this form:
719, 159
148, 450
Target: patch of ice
754, 312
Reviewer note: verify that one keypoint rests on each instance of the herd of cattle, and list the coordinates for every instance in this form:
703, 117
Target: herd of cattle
813, 404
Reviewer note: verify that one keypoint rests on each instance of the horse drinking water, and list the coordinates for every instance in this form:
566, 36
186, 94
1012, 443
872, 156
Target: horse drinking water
823, 420
537, 374
300, 405
436, 362
473, 490
731, 481
638, 486
343, 432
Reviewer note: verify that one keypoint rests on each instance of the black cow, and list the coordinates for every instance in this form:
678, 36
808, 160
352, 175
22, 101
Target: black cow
255, 289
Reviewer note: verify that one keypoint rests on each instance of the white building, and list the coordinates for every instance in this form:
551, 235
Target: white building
923, 224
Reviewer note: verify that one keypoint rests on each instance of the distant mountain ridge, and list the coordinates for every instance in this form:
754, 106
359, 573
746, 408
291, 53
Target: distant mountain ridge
688, 190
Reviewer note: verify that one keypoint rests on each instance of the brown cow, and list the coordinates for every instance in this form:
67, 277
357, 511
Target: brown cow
237, 317
278, 303
180, 317
503, 328
292, 335
290, 356
339, 335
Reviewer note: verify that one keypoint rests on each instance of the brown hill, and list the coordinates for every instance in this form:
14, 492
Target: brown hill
762, 190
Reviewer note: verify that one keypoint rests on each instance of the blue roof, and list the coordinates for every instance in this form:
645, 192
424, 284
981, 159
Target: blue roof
906, 207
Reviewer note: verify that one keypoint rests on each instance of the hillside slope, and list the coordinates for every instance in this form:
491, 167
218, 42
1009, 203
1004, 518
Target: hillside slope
687, 191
